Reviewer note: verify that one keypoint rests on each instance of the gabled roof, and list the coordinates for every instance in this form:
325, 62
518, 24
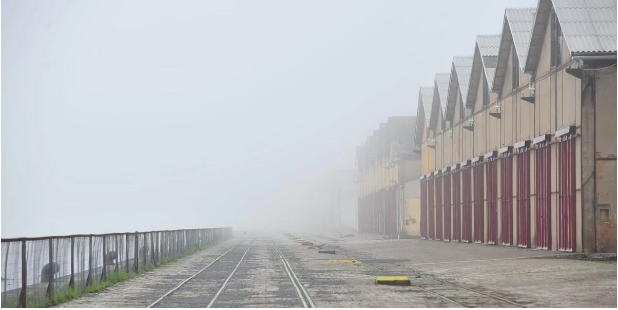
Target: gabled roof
440, 93
460, 77
588, 27
402, 135
485, 57
425, 97
516, 30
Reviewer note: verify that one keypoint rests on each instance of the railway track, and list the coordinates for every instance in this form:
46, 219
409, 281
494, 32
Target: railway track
199, 289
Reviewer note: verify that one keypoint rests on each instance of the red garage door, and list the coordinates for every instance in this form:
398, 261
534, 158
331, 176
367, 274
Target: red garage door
431, 208
455, 177
466, 205
439, 219
446, 202
423, 209
506, 190
479, 202
492, 200
543, 195
566, 194
523, 198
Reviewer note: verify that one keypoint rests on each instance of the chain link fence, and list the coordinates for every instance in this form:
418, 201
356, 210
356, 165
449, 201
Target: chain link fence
37, 272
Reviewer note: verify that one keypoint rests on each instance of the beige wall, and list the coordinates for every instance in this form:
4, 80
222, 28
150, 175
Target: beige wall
557, 105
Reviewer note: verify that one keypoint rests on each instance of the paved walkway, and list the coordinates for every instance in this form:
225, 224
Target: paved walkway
252, 274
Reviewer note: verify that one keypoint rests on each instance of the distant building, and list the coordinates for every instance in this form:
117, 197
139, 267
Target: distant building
388, 188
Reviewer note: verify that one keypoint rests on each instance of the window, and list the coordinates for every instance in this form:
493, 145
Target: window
556, 41
515, 68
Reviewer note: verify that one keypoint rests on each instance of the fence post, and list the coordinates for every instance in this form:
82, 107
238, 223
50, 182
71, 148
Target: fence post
50, 285
90, 256
152, 249
145, 251
104, 271
158, 249
117, 249
72, 279
24, 276
126, 255
136, 256
6, 262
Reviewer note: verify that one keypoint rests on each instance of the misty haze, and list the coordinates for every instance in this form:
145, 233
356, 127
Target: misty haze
308, 153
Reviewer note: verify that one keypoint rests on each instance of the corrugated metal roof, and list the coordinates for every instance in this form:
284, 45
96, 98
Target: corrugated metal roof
459, 79
488, 44
442, 80
588, 27
520, 22
485, 56
517, 30
440, 92
425, 97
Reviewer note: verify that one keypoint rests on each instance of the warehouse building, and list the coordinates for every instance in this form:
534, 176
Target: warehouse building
526, 154
388, 173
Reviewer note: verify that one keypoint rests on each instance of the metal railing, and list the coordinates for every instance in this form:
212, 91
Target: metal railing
36, 270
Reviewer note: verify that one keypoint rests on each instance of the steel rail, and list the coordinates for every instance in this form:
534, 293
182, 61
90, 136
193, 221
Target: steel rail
191, 277
228, 279
304, 296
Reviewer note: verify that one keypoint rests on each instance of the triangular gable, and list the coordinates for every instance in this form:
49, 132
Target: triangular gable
439, 101
485, 56
516, 30
459, 79
422, 117
588, 27
402, 132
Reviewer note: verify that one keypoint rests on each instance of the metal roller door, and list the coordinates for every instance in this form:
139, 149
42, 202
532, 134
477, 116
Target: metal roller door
523, 197
506, 191
455, 178
479, 201
439, 218
466, 205
543, 195
423, 209
446, 202
431, 209
566, 194
492, 200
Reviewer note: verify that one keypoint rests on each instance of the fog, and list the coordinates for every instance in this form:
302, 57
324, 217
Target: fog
147, 115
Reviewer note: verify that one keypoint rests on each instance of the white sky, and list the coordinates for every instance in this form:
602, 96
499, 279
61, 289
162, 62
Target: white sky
146, 115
